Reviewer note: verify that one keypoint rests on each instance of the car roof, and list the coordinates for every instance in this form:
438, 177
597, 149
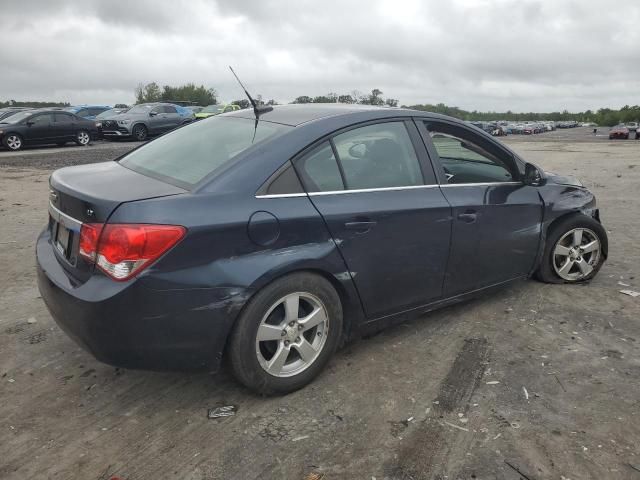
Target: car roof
297, 114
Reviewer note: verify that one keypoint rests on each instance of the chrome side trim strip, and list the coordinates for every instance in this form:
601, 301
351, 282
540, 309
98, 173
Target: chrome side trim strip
61, 217
481, 184
368, 190
386, 189
282, 195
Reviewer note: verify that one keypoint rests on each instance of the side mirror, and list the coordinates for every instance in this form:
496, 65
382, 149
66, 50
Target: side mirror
153, 114
534, 176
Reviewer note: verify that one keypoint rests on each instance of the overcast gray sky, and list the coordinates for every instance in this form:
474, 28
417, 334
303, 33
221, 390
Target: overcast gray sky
521, 55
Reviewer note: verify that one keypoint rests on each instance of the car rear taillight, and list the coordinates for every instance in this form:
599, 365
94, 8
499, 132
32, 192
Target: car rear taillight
123, 250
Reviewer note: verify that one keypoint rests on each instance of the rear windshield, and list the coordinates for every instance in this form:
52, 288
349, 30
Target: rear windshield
186, 156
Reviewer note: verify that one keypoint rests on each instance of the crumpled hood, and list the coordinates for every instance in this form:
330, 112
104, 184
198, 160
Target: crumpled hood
563, 179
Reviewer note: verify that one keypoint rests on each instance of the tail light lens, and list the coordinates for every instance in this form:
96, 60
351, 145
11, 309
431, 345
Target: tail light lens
124, 250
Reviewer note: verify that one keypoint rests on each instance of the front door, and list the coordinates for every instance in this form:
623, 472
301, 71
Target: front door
496, 218
40, 129
385, 212
65, 126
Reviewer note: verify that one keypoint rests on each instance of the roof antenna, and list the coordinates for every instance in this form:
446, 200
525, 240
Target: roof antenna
258, 110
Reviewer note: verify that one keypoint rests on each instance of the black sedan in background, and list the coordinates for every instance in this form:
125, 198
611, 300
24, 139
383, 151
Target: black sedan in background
41, 127
270, 240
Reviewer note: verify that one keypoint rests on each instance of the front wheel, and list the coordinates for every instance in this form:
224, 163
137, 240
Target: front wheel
286, 334
575, 250
83, 138
13, 141
140, 132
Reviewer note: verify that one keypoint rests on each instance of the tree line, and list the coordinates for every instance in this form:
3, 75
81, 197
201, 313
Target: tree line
604, 116
13, 103
202, 95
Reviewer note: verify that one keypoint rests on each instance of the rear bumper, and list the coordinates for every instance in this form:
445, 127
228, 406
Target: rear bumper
132, 326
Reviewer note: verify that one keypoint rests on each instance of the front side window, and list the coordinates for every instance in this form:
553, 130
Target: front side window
83, 113
319, 170
468, 160
41, 120
187, 155
168, 109
378, 156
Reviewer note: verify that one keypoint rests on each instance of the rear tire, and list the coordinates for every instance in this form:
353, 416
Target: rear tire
13, 142
83, 138
570, 256
140, 132
286, 334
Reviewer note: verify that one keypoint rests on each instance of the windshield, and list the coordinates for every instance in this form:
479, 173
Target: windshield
187, 155
213, 109
140, 108
15, 118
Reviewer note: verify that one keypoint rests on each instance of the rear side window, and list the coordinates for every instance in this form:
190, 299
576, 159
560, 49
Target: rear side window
187, 155
319, 170
378, 156
63, 117
168, 109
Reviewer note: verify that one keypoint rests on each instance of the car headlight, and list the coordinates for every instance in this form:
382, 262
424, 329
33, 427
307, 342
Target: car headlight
98, 124
124, 122
1, 132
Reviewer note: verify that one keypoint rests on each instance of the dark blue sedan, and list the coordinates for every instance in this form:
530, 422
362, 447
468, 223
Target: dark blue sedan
271, 240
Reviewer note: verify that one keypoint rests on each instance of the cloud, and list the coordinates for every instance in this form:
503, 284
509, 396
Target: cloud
503, 54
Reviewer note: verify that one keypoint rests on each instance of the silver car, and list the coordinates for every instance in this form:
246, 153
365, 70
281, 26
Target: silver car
145, 119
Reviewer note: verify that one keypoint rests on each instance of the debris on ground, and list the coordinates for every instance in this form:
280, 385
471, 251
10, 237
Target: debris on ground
631, 293
314, 476
297, 439
526, 394
493, 382
518, 470
456, 426
32, 320
221, 412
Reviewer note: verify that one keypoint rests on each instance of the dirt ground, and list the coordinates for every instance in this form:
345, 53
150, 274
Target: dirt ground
534, 382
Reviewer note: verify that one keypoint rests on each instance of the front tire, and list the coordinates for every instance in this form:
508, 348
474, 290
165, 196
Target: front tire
140, 132
575, 250
13, 142
286, 334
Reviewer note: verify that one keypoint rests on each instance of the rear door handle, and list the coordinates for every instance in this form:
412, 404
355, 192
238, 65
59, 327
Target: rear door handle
467, 217
360, 227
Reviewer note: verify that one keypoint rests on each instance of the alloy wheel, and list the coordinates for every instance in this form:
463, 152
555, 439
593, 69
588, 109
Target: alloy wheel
292, 334
576, 254
14, 142
83, 138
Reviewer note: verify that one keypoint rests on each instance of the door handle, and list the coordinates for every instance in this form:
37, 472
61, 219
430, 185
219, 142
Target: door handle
360, 227
467, 217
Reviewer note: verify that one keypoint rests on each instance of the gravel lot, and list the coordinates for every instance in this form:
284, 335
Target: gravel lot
540, 379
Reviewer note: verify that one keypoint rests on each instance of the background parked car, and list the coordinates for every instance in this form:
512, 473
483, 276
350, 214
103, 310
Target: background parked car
90, 112
195, 108
145, 119
217, 109
38, 127
619, 131
8, 111
112, 112
633, 126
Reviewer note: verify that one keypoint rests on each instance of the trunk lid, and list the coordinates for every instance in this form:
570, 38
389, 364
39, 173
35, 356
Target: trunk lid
89, 194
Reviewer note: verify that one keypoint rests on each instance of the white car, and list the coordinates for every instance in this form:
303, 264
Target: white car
633, 126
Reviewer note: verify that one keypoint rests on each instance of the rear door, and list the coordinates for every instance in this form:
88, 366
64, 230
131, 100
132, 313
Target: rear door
65, 125
496, 217
379, 198
172, 117
40, 129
